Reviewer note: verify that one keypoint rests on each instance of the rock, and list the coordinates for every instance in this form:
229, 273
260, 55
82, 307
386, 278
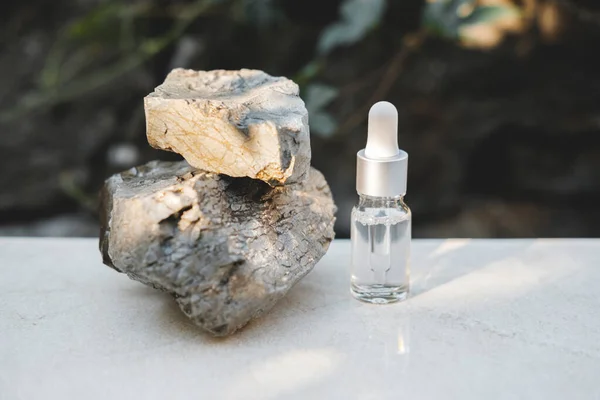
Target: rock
238, 123
226, 248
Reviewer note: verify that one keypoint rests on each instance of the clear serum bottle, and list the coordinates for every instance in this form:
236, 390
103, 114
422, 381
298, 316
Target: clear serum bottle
381, 222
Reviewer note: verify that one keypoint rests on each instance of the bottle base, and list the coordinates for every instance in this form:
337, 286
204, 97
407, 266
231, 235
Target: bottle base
379, 294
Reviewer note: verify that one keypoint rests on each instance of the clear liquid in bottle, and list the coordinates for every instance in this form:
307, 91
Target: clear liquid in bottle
380, 254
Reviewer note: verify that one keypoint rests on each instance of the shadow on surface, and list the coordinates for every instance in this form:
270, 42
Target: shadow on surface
169, 318
302, 303
314, 335
323, 295
439, 263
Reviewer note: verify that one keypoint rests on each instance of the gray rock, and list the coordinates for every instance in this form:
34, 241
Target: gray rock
238, 123
226, 248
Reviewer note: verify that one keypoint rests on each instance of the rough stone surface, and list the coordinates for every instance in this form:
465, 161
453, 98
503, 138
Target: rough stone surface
238, 123
226, 248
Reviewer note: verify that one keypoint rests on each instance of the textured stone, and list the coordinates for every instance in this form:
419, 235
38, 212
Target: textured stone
238, 123
226, 248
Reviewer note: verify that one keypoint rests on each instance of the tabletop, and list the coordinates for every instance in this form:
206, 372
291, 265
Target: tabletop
487, 319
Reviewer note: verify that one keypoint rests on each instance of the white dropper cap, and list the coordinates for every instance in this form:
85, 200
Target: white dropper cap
381, 166
382, 138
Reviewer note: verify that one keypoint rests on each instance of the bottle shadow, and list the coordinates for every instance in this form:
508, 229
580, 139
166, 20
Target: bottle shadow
439, 262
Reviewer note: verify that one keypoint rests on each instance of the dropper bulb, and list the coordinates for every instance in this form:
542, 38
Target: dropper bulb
382, 138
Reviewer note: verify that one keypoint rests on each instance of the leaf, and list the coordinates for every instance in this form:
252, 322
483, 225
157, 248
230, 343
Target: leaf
98, 22
446, 18
323, 124
308, 72
443, 17
357, 18
319, 96
489, 14
260, 12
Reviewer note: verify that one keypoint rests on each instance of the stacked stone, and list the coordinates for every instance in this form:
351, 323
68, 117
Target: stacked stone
230, 230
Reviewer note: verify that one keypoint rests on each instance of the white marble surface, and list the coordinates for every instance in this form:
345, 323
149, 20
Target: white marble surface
488, 319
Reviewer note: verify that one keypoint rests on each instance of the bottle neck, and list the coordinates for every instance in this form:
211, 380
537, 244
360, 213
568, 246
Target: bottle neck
380, 202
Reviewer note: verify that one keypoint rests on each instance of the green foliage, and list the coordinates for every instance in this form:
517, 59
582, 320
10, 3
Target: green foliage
319, 96
260, 12
107, 29
100, 22
71, 68
308, 72
446, 18
357, 18
117, 37
488, 14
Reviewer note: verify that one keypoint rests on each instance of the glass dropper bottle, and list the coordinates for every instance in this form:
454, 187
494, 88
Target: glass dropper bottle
381, 222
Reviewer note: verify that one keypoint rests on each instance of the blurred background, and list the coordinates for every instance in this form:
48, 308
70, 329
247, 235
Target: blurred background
499, 101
